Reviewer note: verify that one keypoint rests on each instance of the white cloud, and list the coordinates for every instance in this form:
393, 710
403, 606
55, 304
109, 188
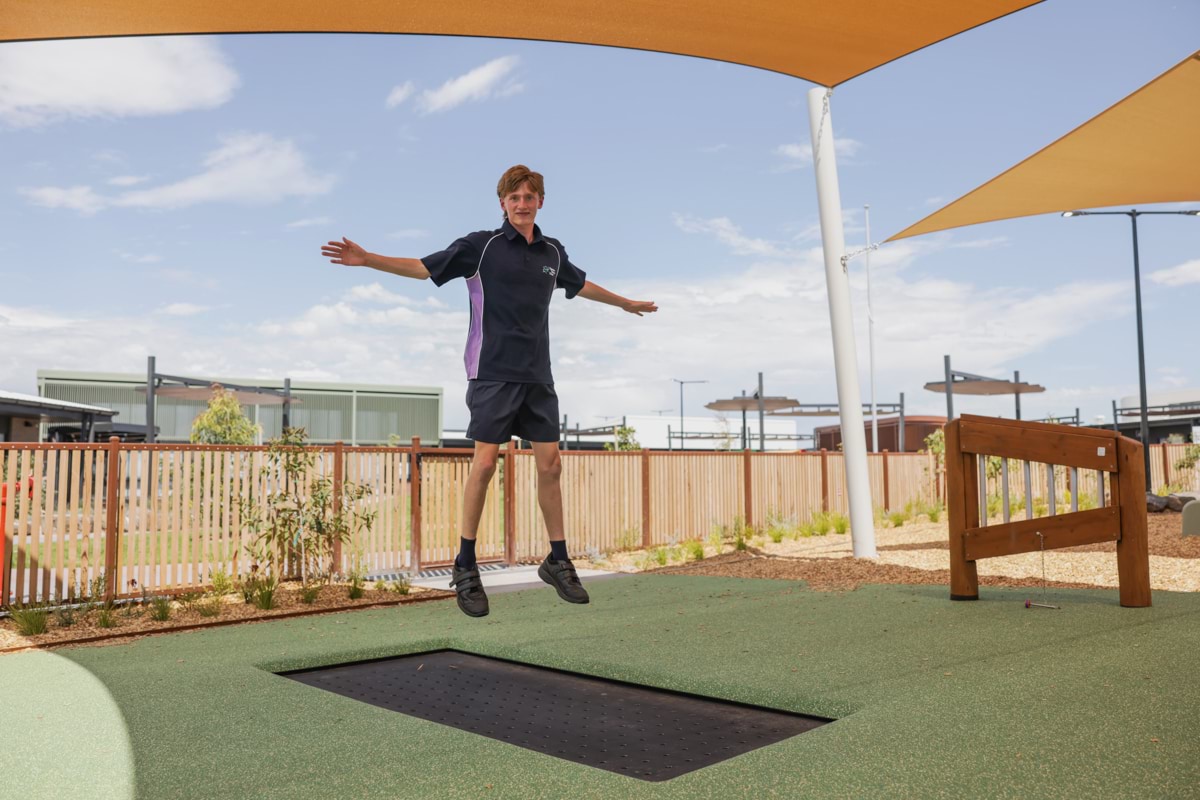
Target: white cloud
716, 148
799, 155
399, 94
183, 309
128, 180
489, 80
77, 198
1181, 275
247, 168
43, 82
375, 293
308, 222
727, 233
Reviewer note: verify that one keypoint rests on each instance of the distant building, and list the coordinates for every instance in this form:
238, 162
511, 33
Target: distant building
22, 416
829, 437
1163, 428
353, 413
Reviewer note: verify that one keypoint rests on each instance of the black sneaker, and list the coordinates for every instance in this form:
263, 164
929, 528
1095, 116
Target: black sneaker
471, 597
565, 580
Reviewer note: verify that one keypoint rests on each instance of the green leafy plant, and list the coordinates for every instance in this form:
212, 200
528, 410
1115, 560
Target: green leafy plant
213, 606
841, 523
629, 539
160, 609
264, 595
695, 549
297, 527
65, 616
806, 530
189, 599
30, 619
821, 523
897, 518
222, 584
716, 537
626, 440
401, 586
223, 422
934, 511
106, 618
309, 592
380, 585
659, 554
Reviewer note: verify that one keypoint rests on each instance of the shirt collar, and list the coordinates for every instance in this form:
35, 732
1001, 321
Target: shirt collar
512, 233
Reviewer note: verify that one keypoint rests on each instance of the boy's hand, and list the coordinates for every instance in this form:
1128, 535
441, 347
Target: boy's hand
345, 252
640, 307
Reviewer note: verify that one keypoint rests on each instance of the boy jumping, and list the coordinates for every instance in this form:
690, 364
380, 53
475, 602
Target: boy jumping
511, 273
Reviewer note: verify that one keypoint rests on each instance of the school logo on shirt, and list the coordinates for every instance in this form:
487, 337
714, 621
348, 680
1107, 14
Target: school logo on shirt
549, 271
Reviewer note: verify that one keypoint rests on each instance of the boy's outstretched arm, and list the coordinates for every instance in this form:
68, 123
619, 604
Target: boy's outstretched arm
352, 255
591, 291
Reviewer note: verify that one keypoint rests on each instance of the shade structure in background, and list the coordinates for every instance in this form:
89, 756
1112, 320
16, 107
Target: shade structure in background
1141, 150
818, 40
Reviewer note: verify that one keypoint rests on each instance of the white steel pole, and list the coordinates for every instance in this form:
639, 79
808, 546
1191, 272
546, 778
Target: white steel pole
871, 335
854, 439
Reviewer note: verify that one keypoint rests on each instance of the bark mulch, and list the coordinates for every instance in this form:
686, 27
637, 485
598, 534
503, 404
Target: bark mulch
838, 574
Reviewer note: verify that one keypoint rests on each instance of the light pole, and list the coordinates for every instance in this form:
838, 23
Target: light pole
871, 334
682, 444
1133, 215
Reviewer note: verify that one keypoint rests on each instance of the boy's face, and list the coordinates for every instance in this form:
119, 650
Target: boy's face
521, 205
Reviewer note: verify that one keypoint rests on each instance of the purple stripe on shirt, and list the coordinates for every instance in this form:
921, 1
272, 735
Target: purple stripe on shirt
475, 335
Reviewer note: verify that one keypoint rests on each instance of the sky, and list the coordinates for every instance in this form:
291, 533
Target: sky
168, 196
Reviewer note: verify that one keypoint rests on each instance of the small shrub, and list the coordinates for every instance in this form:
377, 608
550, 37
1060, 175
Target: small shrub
841, 523
380, 585
160, 609
934, 511
65, 616
716, 537
356, 590
222, 584
212, 607
897, 518
264, 597
401, 586
659, 554
106, 618
776, 534
739, 543
628, 539
821, 523
695, 549
309, 593
30, 620
188, 600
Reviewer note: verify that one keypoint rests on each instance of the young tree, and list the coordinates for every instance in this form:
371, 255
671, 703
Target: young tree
223, 421
625, 440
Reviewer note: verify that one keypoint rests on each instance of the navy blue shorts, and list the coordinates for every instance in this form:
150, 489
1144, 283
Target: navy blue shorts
501, 410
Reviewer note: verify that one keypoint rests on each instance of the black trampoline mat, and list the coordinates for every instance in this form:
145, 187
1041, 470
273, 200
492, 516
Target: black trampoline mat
631, 730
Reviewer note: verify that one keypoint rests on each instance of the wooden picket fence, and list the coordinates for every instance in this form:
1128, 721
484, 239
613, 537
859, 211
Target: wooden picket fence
163, 517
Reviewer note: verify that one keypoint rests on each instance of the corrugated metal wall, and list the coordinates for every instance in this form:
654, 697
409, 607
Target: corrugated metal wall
329, 416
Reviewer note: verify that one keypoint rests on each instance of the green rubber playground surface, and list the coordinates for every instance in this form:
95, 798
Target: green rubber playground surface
932, 698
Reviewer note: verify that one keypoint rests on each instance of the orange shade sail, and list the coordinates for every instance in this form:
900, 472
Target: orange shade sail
822, 41
1144, 149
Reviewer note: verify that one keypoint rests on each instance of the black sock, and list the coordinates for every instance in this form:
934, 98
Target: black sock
466, 554
558, 550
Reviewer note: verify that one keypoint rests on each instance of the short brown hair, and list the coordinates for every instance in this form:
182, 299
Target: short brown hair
513, 177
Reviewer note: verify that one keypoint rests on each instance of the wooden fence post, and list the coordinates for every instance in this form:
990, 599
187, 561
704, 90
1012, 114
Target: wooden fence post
1133, 558
646, 537
510, 504
414, 477
338, 479
112, 509
824, 479
748, 488
962, 495
887, 493
1166, 457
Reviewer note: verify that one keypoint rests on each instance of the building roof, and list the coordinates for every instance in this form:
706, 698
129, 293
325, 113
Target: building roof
13, 403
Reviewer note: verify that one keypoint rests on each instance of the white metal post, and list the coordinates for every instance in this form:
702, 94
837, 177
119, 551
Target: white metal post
871, 335
854, 439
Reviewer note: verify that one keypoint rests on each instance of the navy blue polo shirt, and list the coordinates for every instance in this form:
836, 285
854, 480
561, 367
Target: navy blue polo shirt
509, 282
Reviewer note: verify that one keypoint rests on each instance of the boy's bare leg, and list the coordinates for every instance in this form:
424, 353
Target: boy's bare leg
549, 469
483, 467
